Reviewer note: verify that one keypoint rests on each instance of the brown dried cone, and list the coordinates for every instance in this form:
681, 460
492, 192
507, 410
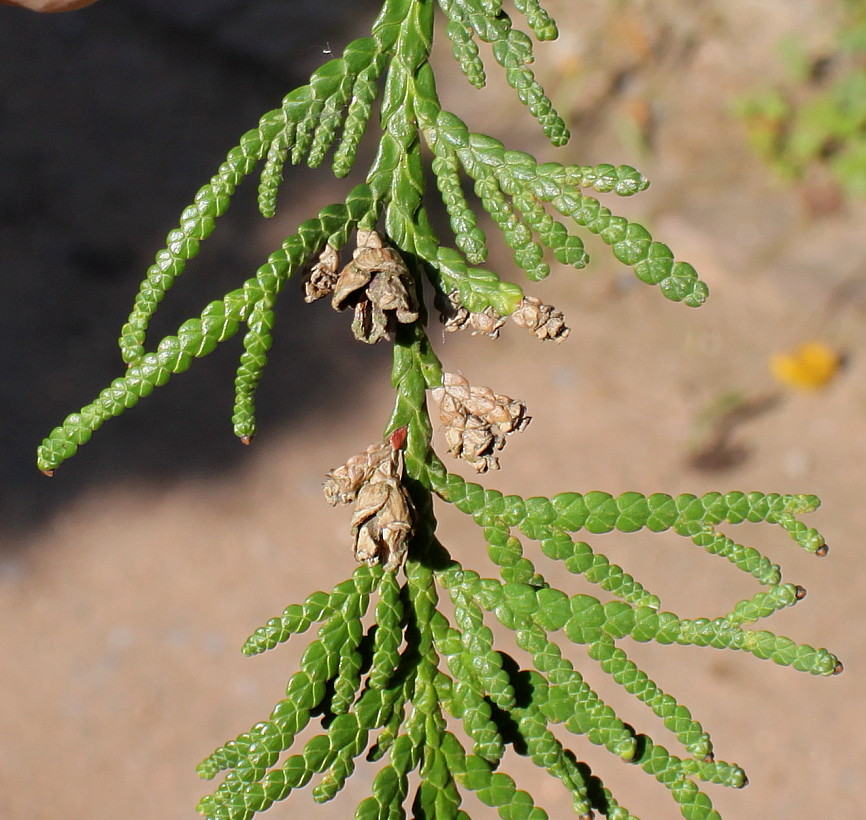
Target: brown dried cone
456, 317
382, 523
545, 321
382, 517
322, 277
477, 421
378, 285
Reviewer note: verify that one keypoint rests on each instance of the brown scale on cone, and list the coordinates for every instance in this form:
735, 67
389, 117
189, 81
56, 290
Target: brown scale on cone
456, 317
378, 285
321, 278
382, 515
343, 482
477, 421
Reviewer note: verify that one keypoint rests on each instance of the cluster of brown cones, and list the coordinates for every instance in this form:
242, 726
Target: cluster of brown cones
379, 287
544, 321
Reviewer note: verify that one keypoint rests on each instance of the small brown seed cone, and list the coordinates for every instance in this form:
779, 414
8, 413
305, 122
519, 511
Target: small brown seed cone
545, 321
382, 516
477, 421
378, 285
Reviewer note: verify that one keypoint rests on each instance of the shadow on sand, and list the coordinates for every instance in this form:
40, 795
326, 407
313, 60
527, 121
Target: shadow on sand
111, 119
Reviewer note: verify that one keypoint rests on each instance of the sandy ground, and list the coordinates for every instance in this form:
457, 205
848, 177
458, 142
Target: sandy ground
128, 583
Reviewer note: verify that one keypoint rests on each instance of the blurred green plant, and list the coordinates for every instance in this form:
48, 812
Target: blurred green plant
382, 679
817, 117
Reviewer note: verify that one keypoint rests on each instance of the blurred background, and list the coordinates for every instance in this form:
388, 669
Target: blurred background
129, 581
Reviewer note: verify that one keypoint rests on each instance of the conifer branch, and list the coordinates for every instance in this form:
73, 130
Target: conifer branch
388, 663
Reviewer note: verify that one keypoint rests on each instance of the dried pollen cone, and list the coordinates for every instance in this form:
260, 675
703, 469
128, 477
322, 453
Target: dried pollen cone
477, 421
382, 516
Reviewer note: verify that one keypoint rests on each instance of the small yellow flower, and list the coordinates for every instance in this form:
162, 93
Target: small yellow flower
811, 365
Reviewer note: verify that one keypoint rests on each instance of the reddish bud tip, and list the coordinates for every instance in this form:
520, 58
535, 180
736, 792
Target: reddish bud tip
49, 473
247, 440
709, 757
838, 669
397, 439
800, 592
822, 550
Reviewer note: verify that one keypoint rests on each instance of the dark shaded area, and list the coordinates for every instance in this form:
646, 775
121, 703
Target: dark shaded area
110, 120
720, 450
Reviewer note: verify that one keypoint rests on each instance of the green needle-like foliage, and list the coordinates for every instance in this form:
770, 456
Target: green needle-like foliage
815, 118
389, 664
